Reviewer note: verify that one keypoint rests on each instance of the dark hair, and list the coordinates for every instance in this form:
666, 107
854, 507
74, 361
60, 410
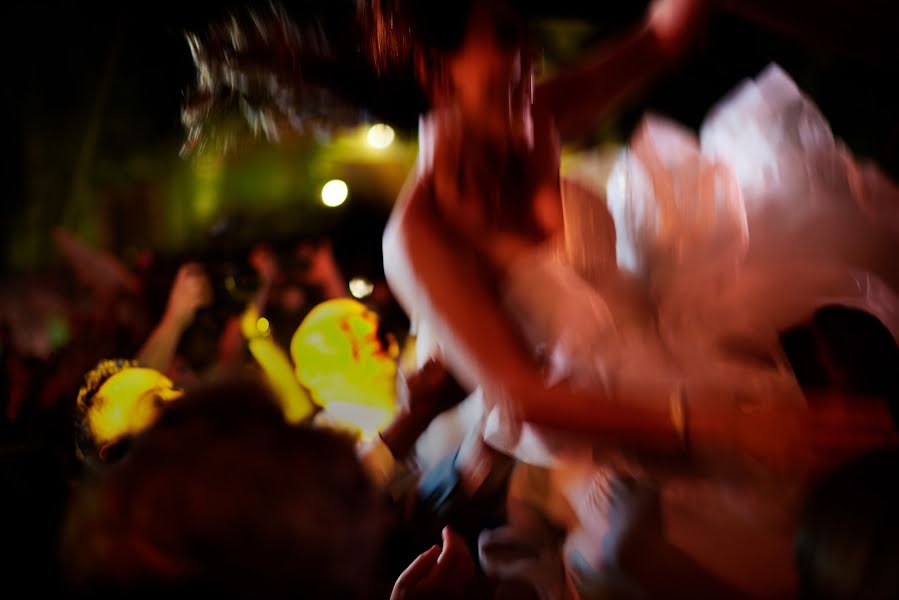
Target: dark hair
847, 543
222, 496
846, 349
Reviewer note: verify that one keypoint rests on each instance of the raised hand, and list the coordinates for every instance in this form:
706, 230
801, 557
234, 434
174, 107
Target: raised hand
264, 261
446, 573
678, 23
190, 292
430, 391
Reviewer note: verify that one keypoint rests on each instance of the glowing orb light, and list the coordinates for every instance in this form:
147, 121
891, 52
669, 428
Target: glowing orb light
380, 136
361, 287
334, 193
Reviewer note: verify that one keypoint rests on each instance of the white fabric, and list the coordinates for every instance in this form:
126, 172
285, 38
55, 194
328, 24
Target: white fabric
722, 241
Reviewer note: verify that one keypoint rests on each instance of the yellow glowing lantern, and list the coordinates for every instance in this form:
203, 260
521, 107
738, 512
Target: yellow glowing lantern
350, 371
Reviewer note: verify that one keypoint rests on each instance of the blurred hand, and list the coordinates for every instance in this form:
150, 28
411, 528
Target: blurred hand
677, 24
527, 550
424, 395
190, 292
446, 573
322, 266
430, 391
265, 263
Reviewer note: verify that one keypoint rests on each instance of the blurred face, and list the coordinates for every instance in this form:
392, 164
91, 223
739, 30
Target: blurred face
127, 403
341, 359
490, 78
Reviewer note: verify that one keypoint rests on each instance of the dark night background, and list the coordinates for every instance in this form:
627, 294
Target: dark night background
91, 116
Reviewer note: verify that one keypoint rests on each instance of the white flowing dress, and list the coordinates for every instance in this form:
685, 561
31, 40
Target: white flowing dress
706, 248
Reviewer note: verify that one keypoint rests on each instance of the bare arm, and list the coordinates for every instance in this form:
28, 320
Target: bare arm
436, 277
588, 92
190, 291
159, 349
324, 272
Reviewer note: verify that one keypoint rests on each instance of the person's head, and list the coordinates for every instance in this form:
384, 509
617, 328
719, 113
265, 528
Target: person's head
846, 540
117, 401
341, 357
847, 543
471, 55
222, 497
846, 352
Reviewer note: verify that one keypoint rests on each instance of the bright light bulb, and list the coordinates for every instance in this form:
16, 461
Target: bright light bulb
334, 193
380, 136
361, 287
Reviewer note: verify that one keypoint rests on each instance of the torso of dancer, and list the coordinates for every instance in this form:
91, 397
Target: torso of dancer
487, 191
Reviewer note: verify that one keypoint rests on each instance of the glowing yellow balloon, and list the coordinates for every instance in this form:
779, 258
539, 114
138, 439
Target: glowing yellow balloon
339, 357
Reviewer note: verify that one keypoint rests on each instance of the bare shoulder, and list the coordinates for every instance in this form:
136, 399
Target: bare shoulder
406, 210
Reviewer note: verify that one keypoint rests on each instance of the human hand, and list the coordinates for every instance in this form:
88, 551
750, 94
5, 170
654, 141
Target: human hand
190, 292
321, 269
528, 549
422, 397
678, 23
264, 261
446, 573
429, 391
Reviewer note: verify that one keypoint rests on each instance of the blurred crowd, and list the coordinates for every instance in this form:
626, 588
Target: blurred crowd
187, 320
718, 420
246, 456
